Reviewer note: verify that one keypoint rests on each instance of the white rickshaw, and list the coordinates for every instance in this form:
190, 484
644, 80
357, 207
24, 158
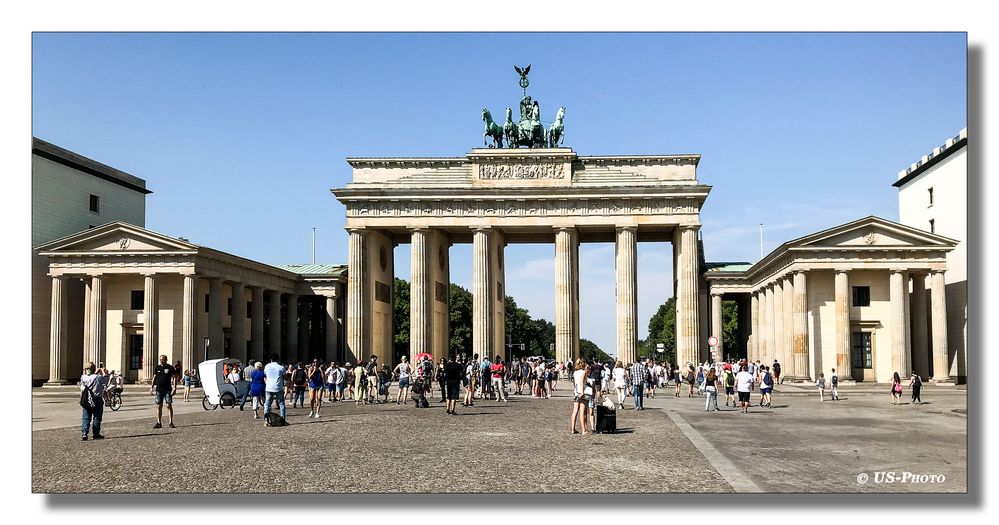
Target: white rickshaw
218, 392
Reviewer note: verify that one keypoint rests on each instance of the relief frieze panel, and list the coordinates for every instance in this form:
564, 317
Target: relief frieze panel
521, 208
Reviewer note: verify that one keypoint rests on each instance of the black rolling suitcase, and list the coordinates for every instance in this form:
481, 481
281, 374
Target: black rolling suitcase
606, 420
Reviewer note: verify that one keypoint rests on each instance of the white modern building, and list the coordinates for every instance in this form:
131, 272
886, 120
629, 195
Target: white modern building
933, 196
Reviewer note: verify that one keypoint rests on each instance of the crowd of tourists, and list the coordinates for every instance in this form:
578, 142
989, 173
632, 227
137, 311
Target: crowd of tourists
468, 379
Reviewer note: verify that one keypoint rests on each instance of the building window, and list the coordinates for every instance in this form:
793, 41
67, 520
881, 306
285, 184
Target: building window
933, 226
861, 296
228, 306
206, 303
249, 309
138, 299
95, 204
863, 357
930, 192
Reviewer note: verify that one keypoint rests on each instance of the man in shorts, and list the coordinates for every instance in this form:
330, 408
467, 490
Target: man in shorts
165, 386
744, 385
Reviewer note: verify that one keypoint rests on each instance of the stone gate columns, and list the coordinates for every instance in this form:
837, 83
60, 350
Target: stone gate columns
938, 320
150, 330
917, 321
842, 296
291, 330
357, 316
332, 352
189, 323
567, 294
765, 329
439, 282
216, 336
274, 321
687, 338
257, 325
419, 294
799, 311
777, 305
482, 315
57, 334
787, 337
96, 321
898, 297
626, 265
716, 322
754, 336
237, 330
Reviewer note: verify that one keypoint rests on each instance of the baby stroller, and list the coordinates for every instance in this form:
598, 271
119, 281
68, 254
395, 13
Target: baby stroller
419, 393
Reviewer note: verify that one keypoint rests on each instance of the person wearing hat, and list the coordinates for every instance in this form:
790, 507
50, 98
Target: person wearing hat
96, 382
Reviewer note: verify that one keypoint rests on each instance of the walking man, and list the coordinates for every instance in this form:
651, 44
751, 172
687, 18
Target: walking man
834, 383
165, 386
638, 372
274, 387
744, 385
453, 372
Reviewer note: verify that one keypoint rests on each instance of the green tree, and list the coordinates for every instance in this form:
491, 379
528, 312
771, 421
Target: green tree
730, 327
460, 312
662, 329
589, 350
400, 312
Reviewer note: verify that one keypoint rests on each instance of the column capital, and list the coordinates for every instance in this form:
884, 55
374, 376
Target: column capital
414, 229
694, 227
626, 228
559, 229
841, 270
359, 231
716, 293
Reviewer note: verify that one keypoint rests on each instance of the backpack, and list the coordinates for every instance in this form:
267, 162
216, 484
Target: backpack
835, 380
299, 376
767, 380
87, 398
273, 419
729, 379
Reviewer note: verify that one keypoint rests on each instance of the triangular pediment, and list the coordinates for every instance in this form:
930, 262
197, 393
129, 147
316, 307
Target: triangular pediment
872, 232
117, 237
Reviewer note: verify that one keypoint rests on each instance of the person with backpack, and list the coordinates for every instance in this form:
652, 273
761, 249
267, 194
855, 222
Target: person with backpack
896, 389
95, 382
776, 369
766, 387
360, 384
729, 380
916, 384
300, 380
485, 385
834, 385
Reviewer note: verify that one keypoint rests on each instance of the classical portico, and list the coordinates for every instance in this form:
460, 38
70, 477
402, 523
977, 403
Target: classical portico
493, 197
148, 294
840, 298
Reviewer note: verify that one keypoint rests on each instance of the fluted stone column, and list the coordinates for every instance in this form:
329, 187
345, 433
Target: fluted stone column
419, 294
291, 331
87, 357
357, 301
779, 329
274, 322
257, 325
482, 318
799, 310
716, 322
842, 296
898, 298
150, 331
766, 330
938, 319
626, 265
566, 294
58, 334
687, 337
331, 329
97, 319
216, 335
754, 336
917, 321
787, 336
189, 324
237, 326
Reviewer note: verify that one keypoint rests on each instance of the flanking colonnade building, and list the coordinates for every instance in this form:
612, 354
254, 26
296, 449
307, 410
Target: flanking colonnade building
839, 298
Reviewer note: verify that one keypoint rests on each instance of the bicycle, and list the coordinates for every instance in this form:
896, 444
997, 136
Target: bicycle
112, 399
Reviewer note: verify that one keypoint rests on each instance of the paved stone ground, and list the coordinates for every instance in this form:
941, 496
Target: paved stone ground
523, 446
802, 445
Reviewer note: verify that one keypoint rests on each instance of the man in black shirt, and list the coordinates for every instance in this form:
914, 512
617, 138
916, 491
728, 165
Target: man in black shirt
453, 372
165, 386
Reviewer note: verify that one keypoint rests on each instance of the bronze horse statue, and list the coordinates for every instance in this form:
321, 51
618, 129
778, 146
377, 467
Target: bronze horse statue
510, 129
493, 131
556, 133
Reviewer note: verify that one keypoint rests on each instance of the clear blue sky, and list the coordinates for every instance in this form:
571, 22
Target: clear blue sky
241, 136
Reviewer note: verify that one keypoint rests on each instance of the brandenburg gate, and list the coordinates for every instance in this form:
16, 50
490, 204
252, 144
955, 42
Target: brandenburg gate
495, 196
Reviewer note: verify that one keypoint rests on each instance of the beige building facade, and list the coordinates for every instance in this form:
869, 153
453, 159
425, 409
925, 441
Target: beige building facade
933, 196
71, 193
147, 294
840, 299
493, 197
